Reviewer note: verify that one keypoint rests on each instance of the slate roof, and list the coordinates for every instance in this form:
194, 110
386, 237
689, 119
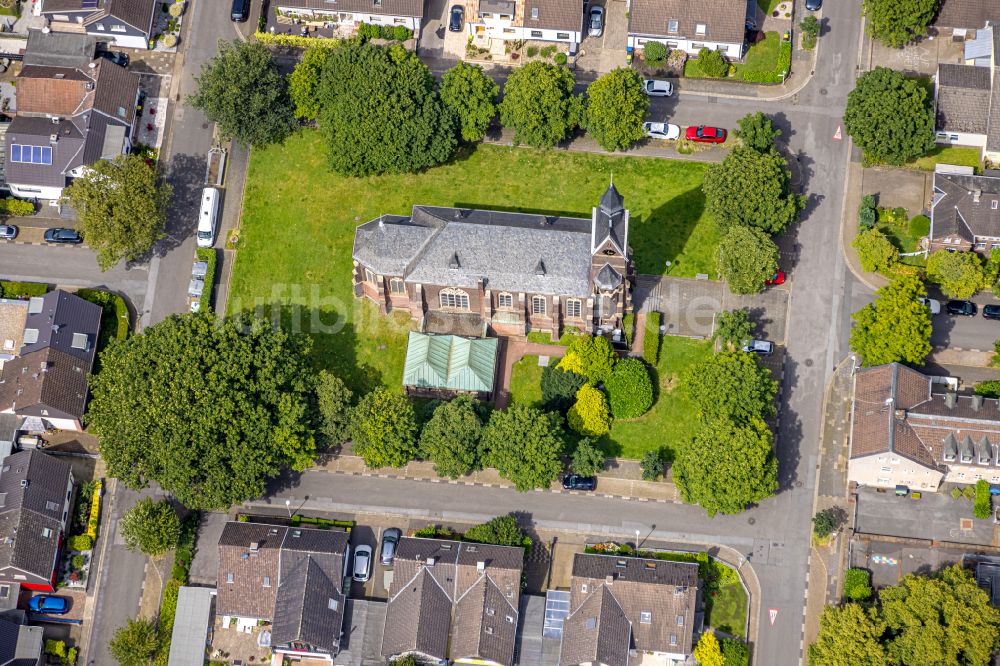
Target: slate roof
553, 15
47, 383
60, 319
725, 20
993, 129
67, 152
59, 49
968, 14
955, 209
136, 13
309, 607
20, 644
450, 362
387, 8
963, 98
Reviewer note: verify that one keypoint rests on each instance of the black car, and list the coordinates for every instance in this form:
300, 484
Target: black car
577, 482
457, 18
964, 308
814, 5
60, 235
241, 11
116, 57
991, 311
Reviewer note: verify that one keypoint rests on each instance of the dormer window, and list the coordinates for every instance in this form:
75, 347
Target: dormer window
700, 29
645, 617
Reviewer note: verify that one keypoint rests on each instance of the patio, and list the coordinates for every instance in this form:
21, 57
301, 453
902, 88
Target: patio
232, 643
329, 26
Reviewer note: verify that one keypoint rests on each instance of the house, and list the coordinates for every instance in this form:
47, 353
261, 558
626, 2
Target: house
290, 577
20, 644
905, 433
124, 23
718, 25
73, 109
407, 13
516, 20
626, 611
447, 365
454, 601
48, 377
35, 494
965, 210
462, 271
961, 19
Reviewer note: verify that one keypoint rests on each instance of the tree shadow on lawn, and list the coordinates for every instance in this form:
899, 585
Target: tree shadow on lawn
664, 235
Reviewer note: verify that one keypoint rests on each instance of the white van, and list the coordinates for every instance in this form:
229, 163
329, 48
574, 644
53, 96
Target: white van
208, 217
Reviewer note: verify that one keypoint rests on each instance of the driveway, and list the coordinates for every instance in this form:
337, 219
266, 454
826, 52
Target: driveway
888, 561
436, 41
935, 516
606, 52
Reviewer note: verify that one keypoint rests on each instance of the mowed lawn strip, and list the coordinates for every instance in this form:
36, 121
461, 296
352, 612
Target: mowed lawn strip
526, 382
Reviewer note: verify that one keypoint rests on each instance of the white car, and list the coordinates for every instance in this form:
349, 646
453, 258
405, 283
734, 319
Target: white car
763, 347
932, 304
664, 131
362, 563
657, 88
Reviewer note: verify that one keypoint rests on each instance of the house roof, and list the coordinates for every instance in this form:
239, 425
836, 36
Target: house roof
65, 322
724, 20
67, 151
59, 49
964, 205
963, 98
450, 362
59, 91
191, 622
136, 13
553, 15
20, 644
309, 607
386, 8
46, 383
13, 315
599, 632
967, 14
993, 125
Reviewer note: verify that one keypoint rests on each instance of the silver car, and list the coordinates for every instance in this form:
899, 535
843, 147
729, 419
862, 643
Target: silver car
763, 347
390, 539
8, 232
657, 88
664, 131
362, 563
596, 21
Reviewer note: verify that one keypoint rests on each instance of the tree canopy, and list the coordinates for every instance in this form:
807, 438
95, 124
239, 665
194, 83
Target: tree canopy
134, 643
384, 429
895, 23
708, 652
733, 328
849, 635
333, 402
876, 252
121, 206
559, 388
208, 409
757, 131
896, 327
242, 91
617, 105
590, 356
747, 259
588, 459
630, 389
890, 116
451, 438
539, 104
500, 531
380, 112
731, 384
150, 526
303, 82
525, 445
590, 415
959, 274
471, 95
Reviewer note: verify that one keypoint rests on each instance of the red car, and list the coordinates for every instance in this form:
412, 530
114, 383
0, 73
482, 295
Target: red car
777, 278
705, 134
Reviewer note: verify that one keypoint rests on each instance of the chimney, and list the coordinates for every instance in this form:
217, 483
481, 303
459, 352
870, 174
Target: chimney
480, 566
950, 399
92, 65
609, 579
430, 561
977, 402
975, 195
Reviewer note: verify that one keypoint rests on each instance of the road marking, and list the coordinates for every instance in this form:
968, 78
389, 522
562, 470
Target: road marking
838, 135
773, 613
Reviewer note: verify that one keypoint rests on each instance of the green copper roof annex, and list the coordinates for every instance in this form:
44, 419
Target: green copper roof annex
450, 362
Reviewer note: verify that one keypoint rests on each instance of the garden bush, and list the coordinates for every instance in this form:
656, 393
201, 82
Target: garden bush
22, 289
630, 390
17, 207
867, 215
559, 388
875, 251
652, 465
810, 30
547, 51
857, 585
920, 226
79, 542
969, 493
589, 415
655, 54
590, 356
78, 561
295, 41
990, 389
956, 493
531, 51
651, 342
559, 59
712, 63
115, 310
676, 60
735, 652
983, 506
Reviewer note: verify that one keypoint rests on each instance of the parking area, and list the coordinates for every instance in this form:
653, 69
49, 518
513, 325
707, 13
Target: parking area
920, 58
436, 41
890, 561
604, 52
936, 516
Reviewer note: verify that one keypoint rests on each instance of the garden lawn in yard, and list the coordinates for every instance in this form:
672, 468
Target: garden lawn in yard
768, 6
526, 381
957, 155
763, 62
729, 610
763, 56
294, 259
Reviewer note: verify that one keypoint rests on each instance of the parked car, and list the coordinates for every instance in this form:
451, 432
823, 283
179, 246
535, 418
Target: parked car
48, 603
596, 21
991, 311
8, 232
117, 57
362, 563
932, 304
457, 18
390, 539
777, 278
664, 131
814, 5
705, 134
763, 347
241, 11
657, 88
577, 482
62, 235
964, 308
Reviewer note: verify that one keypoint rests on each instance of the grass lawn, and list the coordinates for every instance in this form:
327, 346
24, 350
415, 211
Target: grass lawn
728, 611
763, 56
762, 64
526, 382
294, 257
957, 155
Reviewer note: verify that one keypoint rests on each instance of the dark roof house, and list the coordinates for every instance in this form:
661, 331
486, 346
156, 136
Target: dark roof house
967, 14
20, 644
965, 211
963, 98
689, 26
127, 23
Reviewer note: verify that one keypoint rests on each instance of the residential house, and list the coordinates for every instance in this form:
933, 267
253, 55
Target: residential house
718, 25
73, 109
124, 23
20, 644
463, 271
965, 211
47, 380
448, 365
627, 611
35, 494
903, 432
454, 601
962, 19
516, 20
407, 13
290, 577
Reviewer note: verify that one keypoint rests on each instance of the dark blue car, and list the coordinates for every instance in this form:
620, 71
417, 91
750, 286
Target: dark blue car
45, 603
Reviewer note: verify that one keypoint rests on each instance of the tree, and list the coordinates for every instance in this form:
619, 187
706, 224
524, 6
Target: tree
943, 620
959, 274
304, 82
731, 385
733, 328
889, 116
810, 31
708, 652
384, 429
588, 459
827, 521
209, 409
757, 131
559, 388
333, 401
896, 327
898, 22
712, 63
728, 466
616, 107
590, 356
121, 207
539, 104
380, 112
500, 531
590, 414
652, 465
735, 652
654, 53
857, 585
471, 95
747, 259
849, 635
242, 91
151, 527
630, 389
876, 252
451, 438
524, 444
134, 643
751, 189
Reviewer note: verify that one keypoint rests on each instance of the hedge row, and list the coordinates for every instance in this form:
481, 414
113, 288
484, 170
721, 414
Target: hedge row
16, 207
399, 33
115, 312
22, 289
322, 522
183, 555
297, 41
208, 255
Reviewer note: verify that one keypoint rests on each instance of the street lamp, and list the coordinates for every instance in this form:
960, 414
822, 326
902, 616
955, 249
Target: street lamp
288, 506
637, 539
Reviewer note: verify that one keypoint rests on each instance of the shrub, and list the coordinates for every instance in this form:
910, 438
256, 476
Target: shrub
401, 33
676, 60
17, 207
712, 63
78, 561
22, 289
559, 59
532, 51
209, 256
547, 51
735, 652
920, 226
501, 531
590, 356
990, 389
651, 342
983, 506
559, 388
588, 459
652, 465
295, 41
810, 30
825, 523
857, 585
956, 493
630, 390
969, 493
867, 212
655, 54
114, 310
81, 542
95, 511
590, 415
876, 252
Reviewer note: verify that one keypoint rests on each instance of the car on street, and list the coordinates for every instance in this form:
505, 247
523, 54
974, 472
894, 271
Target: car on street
63, 236
8, 232
241, 11
763, 347
390, 539
705, 134
457, 18
657, 88
117, 57
932, 304
362, 563
991, 311
664, 131
50, 604
814, 5
596, 21
577, 482
964, 308
777, 278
